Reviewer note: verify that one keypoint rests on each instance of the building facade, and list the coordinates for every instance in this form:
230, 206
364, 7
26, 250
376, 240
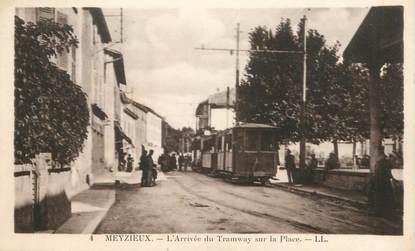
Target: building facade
85, 65
216, 112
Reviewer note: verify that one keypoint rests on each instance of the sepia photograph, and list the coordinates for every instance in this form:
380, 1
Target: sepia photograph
230, 122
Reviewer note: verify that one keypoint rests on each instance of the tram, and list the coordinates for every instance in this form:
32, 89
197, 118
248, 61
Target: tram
245, 153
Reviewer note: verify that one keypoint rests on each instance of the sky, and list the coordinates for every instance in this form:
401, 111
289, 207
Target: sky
166, 73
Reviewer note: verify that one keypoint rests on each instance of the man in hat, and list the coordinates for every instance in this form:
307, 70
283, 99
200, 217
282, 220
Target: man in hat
289, 165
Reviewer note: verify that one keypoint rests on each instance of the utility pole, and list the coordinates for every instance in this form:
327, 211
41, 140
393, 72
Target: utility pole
303, 105
121, 26
237, 73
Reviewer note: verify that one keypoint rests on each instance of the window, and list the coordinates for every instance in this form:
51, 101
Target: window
62, 59
267, 141
228, 142
208, 145
219, 142
239, 140
251, 140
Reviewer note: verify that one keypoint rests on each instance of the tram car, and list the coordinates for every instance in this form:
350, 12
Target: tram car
244, 153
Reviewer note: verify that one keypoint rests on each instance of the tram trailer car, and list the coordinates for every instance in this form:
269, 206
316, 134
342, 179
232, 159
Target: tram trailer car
247, 152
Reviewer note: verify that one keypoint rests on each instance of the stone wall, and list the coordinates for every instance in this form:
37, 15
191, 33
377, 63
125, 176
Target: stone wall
23, 202
345, 179
41, 196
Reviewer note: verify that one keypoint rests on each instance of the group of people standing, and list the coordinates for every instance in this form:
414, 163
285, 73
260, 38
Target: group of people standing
312, 164
171, 162
381, 191
148, 167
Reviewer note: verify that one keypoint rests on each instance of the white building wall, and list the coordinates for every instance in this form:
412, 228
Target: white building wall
109, 108
88, 58
222, 118
154, 135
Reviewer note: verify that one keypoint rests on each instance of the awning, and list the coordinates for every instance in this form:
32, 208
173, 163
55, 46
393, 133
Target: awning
119, 133
378, 38
97, 111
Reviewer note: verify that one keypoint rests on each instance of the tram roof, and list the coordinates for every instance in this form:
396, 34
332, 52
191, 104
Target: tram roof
254, 125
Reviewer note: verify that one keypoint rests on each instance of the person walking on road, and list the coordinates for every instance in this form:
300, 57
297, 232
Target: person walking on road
181, 161
163, 161
187, 162
173, 162
143, 166
150, 166
289, 165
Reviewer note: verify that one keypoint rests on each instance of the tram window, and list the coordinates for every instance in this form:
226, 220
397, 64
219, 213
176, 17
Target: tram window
219, 143
239, 140
207, 145
267, 141
251, 140
228, 142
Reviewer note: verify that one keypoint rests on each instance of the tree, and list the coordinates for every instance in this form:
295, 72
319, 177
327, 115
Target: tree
174, 135
337, 106
51, 112
276, 80
355, 79
392, 119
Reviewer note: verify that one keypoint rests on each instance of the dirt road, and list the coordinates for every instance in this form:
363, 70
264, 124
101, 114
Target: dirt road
195, 203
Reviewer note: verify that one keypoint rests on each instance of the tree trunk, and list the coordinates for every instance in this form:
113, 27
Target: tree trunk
336, 148
374, 105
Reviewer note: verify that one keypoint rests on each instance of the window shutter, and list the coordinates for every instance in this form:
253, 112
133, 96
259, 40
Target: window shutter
73, 74
45, 13
62, 59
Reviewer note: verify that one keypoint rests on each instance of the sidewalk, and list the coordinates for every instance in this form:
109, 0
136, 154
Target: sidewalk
352, 198
88, 209
90, 206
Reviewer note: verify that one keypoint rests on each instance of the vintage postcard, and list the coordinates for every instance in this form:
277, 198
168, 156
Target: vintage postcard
272, 125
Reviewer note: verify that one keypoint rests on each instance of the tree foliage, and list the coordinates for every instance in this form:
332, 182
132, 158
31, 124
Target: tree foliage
276, 80
173, 137
51, 112
337, 106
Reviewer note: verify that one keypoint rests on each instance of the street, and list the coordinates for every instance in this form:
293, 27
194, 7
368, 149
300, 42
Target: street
195, 203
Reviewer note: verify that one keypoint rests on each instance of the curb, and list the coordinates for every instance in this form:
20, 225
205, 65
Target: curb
94, 223
355, 203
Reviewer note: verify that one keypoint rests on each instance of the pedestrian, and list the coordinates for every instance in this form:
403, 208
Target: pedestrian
312, 164
365, 161
381, 196
289, 165
393, 159
150, 166
173, 162
330, 164
356, 161
143, 166
187, 162
164, 161
130, 162
121, 167
181, 161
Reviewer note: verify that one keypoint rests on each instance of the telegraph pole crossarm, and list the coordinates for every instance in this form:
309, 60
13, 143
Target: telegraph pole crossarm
245, 50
